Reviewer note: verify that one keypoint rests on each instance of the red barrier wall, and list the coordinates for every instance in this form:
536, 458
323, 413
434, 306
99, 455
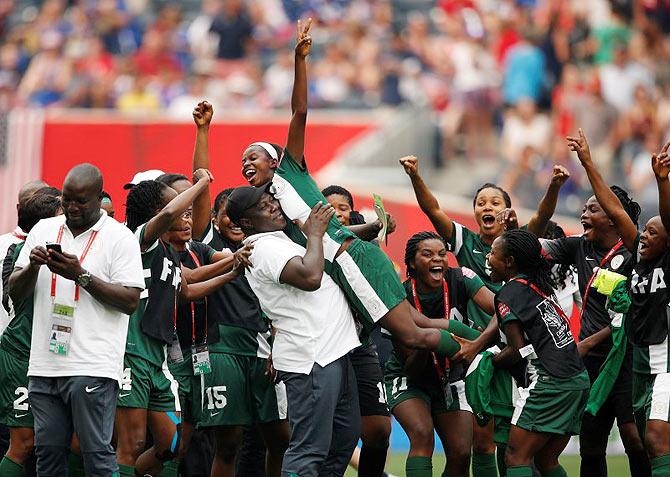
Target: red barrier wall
120, 150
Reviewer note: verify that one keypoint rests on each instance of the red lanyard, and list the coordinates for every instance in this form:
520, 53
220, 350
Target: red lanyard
197, 264
94, 234
534, 287
605, 259
447, 309
18, 235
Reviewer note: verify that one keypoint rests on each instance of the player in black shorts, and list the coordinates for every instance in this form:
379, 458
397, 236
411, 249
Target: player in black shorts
375, 420
601, 246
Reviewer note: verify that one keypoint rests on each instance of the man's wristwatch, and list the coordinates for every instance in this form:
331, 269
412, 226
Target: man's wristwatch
83, 279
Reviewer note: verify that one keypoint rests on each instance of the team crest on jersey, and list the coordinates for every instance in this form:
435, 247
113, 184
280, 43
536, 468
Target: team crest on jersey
556, 325
503, 310
616, 262
467, 273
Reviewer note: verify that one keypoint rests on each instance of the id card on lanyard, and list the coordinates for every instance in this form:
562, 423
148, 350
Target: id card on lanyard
62, 315
442, 373
199, 353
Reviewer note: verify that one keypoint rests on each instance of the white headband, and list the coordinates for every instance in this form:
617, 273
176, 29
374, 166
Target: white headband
268, 148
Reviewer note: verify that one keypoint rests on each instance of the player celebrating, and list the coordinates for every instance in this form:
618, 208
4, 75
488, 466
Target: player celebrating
649, 314
423, 393
148, 393
550, 408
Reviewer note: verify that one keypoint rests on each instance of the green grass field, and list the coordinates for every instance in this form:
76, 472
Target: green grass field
617, 465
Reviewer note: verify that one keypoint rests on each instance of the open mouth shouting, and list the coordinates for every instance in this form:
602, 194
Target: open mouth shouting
588, 228
488, 220
436, 272
249, 174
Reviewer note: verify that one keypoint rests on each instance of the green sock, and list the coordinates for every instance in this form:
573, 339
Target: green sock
126, 470
462, 330
75, 465
169, 469
9, 468
660, 466
419, 467
484, 465
558, 471
520, 471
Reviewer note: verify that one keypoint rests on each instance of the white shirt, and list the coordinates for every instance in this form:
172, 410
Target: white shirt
312, 327
99, 331
6, 241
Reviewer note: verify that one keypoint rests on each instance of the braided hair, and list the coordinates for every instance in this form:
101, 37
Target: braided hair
220, 199
143, 201
526, 250
412, 246
37, 207
335, 189
490, 185
631, 207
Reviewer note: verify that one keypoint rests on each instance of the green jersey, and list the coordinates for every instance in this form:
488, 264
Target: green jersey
471, 252
16, 337
156, 311
297, 193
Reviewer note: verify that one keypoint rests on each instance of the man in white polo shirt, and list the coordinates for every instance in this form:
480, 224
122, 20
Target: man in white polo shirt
315, 331
86, 274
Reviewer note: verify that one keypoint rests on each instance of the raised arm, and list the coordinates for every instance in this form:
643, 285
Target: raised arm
202, 115
306, 272
427, 201
606, 198
161, 222
545, 209
661, 165
295, 144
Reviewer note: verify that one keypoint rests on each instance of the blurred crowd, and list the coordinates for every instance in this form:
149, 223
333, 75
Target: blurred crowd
502, 78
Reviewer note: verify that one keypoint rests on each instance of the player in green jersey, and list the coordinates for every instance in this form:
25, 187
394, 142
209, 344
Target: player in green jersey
648, 317
15, 411
424, 391
149, 392
470, 249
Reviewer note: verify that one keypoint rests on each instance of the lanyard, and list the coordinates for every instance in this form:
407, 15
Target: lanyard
534, 287
94, 234
417, 304
18, 235
197, 264
605, 259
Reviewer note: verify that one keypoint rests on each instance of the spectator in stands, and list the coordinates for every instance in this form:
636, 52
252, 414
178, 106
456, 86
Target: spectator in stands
234, 28
524, 71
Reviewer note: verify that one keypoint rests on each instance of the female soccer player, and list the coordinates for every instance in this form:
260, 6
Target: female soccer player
649, 314
418, 383
550, 408
242, 351
470, 249
375, 420
148, 391
362, 270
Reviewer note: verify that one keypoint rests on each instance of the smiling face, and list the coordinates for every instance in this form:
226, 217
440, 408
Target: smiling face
654, 240
488, 203
181, 230
499, 262
258, 168
429, 264
227, 228
265, 216
594, 220
342, 208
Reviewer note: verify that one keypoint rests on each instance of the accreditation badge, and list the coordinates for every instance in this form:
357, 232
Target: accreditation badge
200, 358
175, 356
62, 317
446, 389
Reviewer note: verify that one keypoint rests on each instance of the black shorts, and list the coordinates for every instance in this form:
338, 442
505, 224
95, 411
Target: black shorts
370, 380
619, 404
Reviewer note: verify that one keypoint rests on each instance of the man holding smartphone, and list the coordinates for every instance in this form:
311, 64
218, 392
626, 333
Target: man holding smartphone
84, 293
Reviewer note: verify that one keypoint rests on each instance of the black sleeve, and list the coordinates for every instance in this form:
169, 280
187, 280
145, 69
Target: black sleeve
203, 251
563, 250
7, 267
